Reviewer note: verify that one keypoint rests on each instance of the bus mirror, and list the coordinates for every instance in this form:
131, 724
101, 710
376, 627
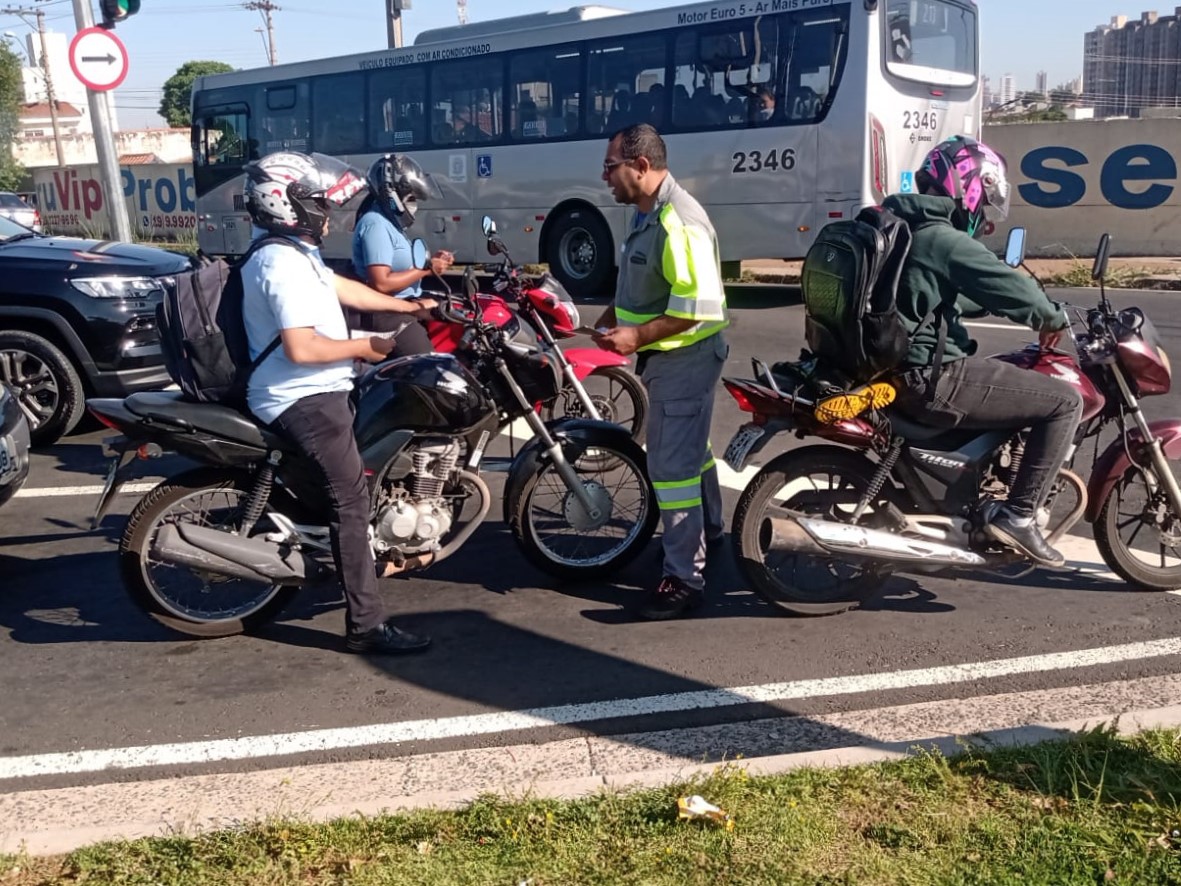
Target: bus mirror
419, 255
488, 225
719, 51
1015, 248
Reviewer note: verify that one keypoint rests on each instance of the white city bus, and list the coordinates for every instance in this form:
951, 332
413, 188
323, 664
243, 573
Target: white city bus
511, 118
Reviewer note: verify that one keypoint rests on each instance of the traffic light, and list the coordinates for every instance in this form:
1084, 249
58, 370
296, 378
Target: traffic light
117, 10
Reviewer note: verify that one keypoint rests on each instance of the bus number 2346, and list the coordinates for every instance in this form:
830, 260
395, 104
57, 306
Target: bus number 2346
760, 161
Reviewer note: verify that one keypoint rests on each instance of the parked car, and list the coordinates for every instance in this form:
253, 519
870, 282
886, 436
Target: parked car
14, 445
78, 320
13, 207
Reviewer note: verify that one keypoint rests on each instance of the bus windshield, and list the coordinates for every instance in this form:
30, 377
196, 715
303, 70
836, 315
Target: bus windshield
931, 41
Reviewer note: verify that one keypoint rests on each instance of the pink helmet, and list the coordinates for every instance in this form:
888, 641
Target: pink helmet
973, 175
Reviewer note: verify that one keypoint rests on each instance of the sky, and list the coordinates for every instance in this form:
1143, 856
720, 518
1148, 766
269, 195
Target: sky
1019, 37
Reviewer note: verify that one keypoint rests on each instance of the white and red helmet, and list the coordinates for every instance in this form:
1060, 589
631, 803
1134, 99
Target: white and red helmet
291, 193
973, 175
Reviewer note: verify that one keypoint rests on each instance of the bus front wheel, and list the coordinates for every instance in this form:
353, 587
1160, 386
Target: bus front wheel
579, 253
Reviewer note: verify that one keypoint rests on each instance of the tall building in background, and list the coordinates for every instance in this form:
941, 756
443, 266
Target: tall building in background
986, 92
1008, 91
1043, 83
1130, 66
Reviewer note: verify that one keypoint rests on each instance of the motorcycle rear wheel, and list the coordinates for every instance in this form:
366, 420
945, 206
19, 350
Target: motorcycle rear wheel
617, 394
1133, 538
553, 530
183, 599
817, 480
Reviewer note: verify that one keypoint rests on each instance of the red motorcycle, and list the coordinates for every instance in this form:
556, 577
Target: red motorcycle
598, 384
819, 527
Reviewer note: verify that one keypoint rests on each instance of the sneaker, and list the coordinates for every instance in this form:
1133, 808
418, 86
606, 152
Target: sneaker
386, 639
671, 599
1025, 540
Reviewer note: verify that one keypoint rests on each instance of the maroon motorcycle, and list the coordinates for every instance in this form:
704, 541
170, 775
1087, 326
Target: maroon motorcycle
819, 527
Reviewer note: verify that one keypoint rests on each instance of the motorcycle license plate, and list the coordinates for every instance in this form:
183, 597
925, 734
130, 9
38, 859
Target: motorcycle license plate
741, 445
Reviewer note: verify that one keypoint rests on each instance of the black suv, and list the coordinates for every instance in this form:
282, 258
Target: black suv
78, 320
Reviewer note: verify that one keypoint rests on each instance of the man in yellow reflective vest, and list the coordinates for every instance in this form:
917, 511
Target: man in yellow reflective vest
670, 309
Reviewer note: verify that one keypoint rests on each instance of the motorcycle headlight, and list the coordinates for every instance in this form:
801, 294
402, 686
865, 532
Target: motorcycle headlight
119, 287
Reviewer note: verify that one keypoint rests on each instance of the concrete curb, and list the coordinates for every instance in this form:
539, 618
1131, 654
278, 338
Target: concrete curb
43, 822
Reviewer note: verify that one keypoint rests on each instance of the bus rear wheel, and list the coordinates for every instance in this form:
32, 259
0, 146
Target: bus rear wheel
578, 251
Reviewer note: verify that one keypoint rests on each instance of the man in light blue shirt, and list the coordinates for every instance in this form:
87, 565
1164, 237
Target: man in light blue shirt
301, 390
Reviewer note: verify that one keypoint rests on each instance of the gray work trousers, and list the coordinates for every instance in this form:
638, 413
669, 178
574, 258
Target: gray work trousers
681, 386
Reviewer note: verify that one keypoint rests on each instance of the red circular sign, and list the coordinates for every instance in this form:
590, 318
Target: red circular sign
98, 58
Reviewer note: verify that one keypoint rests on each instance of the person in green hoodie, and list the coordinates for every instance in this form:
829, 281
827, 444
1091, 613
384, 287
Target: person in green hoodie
963, 191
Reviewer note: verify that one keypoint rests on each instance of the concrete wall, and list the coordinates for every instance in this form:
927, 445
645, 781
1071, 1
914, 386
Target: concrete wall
1073, 181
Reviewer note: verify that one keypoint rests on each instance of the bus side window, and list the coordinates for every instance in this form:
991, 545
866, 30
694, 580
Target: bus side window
397, 109
475, 112
625, 81
338, 108
545, 94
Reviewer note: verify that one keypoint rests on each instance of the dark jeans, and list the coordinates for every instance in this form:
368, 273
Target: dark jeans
983, 395
322, 426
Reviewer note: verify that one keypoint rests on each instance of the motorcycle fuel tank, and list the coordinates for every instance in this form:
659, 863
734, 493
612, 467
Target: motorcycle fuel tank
1062, 367
430, 393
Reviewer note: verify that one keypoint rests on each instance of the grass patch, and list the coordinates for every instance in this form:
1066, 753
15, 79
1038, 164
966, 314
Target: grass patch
1118, 277
1093, 809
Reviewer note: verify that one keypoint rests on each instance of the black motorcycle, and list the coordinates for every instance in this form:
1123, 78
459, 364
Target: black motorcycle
222, 548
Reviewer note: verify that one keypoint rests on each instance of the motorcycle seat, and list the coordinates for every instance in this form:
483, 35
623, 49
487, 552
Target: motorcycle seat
936, 438
170, 407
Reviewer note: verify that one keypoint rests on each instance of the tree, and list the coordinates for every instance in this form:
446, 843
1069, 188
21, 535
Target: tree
178, 90
12, 174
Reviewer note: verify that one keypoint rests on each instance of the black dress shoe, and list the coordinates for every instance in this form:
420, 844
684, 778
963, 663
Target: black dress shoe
1025, 540
386, 639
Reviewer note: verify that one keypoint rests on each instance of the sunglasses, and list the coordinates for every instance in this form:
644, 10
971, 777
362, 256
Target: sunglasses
607, 167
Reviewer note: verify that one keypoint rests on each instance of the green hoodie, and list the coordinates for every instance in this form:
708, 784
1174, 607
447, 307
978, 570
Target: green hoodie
946, 265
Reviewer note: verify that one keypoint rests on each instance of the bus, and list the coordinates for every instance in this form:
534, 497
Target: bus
779, 116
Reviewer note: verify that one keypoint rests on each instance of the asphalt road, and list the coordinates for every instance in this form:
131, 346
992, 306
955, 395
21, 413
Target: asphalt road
94, 691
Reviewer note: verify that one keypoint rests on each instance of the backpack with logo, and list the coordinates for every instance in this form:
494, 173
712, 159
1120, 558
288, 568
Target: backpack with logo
203, 334
850, 282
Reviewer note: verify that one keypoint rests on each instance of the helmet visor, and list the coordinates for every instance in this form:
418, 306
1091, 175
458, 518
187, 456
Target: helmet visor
339, 182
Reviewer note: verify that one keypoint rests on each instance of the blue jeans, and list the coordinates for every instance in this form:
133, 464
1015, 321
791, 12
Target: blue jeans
978, 394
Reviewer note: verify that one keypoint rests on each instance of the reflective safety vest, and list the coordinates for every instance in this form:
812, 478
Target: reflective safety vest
669, 265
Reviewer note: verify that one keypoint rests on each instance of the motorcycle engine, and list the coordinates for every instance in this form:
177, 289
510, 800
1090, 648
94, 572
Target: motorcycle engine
415, 514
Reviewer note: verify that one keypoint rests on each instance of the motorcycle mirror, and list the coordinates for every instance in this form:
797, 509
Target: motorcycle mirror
1099, 271
488, 225
419, 255
1015, 248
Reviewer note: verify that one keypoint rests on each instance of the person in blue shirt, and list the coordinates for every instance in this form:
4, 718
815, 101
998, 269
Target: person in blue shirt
382, 255
302, 389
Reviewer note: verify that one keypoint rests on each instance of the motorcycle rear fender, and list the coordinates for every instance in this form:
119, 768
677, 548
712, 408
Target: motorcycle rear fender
575, 435
1114, 461
587, 360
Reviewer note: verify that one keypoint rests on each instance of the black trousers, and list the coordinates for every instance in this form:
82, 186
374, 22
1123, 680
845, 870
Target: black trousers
322, 426
983, 395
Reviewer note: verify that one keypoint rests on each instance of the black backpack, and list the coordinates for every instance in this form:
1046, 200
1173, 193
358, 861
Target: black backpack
203, 335
850, 282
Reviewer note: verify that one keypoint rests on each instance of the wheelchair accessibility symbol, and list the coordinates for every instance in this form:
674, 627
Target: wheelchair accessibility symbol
484, 166
907, 184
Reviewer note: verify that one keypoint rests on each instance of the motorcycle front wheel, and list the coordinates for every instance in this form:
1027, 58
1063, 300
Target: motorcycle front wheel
555, 531
821, 481
190, 601
1139, 535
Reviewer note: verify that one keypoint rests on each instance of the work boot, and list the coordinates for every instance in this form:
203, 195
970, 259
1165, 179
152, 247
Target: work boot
386, 639
1024, 539
671, 599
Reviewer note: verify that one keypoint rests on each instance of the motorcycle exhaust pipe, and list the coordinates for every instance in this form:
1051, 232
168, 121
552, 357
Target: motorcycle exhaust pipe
211, 550
823, 538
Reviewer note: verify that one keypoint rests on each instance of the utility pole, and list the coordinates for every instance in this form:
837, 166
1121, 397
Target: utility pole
266, 7
50, 97
394, 20
104, 143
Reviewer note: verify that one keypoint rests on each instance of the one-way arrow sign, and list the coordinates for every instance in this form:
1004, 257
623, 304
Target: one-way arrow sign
98, 58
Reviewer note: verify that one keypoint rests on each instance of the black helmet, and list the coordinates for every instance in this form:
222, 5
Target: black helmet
397, 183
291, 193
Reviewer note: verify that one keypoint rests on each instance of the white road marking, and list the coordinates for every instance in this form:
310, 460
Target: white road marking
79, 491
263, 746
